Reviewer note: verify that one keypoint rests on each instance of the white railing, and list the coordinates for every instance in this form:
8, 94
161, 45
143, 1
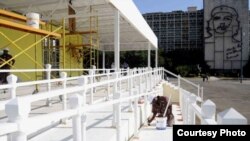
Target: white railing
199, 91
140, 82
206, 112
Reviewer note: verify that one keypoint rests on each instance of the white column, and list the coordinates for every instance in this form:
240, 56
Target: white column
48, 77
156, 58
117, 39
82, 81
103, 60
117, 57
149, 55
12, 80
91, 73
75, 102
118, 117
18, 112
63, 97
208, 110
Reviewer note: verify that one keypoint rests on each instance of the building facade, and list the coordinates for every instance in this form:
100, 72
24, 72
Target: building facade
177, 29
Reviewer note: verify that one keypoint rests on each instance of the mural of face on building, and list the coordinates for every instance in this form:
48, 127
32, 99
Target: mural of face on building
223, 18
222, 21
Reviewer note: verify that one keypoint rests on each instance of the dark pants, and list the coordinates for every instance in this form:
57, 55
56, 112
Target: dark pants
3, 77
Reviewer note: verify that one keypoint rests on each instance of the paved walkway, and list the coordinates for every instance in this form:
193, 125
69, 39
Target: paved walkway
150, 133
226, 93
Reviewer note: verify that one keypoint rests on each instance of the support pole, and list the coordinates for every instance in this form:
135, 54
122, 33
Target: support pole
117, 39
149, 55
156, 58
103, 60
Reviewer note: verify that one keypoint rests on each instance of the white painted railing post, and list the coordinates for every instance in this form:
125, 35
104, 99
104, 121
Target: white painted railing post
136, 114
75, 103
120, 82
201, 93
18, 112
82, 81
140, 81
130, 73
12, 80
231, 116
150, 79
162, 73
118, 117
191, 114
208, 110
114, 93
63, 75
108, 78
179, 82
94, 78
91, 89
198, 93
48, 77
134, 78
146, 80
185, 107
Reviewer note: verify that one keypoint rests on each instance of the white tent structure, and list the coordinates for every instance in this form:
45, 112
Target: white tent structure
120, 24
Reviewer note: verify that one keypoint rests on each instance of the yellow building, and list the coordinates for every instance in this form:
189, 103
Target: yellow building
32, 48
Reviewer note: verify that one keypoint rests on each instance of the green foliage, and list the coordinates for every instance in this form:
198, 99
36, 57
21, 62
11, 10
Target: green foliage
183, 70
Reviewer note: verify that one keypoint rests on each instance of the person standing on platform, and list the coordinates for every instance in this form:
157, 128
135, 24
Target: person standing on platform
3, 58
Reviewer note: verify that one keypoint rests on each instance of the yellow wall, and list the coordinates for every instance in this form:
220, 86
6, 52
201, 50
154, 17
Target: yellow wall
71, 61
24, 62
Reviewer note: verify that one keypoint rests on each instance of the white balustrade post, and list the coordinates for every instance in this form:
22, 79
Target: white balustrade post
163, 73
12, 80
179, 82
120, 82
94, 78
231, 116
146, 80
130, 89
114, 93
136, 114
91, 89
198, 91
118, 117
150, 79
185, 110
75, 103
191, 114
201, 93
108, 78
128, 74
63, 75
48, 77
208, 110
140, 81
82, 81
18, 112
134, 78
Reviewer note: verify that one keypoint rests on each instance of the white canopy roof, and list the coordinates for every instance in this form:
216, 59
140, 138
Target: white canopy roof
135, 34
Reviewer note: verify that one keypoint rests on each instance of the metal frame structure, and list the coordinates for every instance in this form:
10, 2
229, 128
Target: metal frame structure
131, 32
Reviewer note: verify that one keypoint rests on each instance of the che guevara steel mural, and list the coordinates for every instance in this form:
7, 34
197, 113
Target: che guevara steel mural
224, 22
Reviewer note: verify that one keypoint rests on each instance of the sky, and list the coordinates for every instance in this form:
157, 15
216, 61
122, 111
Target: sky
146, 6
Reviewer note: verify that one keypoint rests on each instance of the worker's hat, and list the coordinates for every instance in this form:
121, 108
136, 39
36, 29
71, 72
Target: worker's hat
6, 49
